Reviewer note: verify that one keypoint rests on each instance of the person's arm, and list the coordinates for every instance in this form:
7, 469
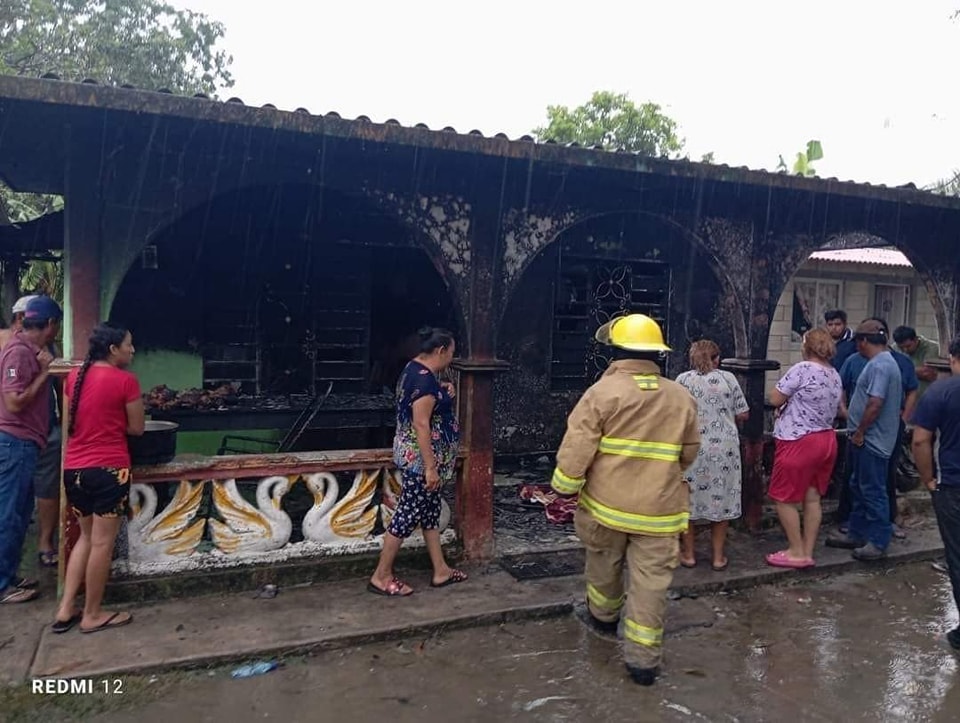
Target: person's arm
17, 400
778, 398
422, 414
690, 446
870, 414
922, 447
136, 417
926, 373
579, 445
909, 402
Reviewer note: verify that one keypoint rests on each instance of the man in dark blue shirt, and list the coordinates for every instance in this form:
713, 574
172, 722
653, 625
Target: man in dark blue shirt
938, 415
836, 320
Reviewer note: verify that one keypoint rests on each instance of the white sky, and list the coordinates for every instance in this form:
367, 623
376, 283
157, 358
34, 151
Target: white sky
875, 82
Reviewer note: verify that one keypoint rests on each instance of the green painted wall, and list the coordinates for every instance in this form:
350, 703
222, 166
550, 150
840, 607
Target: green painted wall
178, 370
207, 443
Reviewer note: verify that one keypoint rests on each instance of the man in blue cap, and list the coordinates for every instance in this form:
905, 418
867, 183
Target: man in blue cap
24, 424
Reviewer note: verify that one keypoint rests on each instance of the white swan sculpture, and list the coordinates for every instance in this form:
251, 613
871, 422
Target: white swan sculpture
153, 537
246, 528
391, 495
350, 519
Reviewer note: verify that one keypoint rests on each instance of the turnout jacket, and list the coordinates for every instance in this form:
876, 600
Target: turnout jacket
628, 441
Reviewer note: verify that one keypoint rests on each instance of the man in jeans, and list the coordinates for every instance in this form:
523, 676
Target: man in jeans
939, 414
24, 424
874, 424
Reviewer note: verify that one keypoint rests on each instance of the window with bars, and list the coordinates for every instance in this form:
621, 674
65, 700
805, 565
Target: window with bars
589, 292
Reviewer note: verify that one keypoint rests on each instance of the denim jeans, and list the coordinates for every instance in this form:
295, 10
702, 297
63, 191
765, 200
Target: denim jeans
845, 497
18, 460
946, 505
870, 509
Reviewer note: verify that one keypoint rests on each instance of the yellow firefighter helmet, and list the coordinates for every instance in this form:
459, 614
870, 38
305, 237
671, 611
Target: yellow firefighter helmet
634, 332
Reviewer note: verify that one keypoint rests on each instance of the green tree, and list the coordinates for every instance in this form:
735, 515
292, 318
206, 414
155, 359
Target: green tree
613, 121
803, 165
146, 43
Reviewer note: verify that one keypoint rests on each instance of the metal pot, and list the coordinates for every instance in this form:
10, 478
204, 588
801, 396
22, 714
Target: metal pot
158, 445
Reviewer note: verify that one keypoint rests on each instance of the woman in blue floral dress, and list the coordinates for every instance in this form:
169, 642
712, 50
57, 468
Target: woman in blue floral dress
425, 451
715, 478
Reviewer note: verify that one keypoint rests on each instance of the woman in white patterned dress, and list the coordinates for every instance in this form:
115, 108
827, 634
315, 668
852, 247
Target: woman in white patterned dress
715, 478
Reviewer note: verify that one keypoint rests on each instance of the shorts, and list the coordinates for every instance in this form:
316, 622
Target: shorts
101, 491
46, 478
800, 464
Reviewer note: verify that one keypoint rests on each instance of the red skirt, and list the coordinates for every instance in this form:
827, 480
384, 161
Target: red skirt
800, 464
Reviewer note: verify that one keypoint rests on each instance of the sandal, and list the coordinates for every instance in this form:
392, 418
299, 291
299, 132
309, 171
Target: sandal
688, 564
17, 595
63, 626
393, 589
455, 577
48, 558
24, 583
110, 622
780, 559
720, 568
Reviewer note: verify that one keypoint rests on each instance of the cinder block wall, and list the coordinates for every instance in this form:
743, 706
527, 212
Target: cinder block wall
857, 299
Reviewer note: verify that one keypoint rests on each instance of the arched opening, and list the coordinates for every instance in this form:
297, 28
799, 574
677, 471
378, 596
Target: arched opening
602, 267
877, 280
280, 293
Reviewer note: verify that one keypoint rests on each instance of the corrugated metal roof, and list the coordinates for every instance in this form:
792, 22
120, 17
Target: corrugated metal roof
873, 256
142, 100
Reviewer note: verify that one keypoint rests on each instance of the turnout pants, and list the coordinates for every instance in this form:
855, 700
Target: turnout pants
650, 562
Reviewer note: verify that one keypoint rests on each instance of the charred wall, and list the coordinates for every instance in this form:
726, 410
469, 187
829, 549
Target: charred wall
636, 263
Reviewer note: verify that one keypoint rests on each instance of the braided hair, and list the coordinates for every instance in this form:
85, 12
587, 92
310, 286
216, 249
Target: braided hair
101, 339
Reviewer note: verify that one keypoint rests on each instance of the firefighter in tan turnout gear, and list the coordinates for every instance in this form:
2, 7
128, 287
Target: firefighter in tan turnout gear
627, 443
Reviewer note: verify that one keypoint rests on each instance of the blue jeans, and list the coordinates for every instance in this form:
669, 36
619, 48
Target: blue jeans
870, 509
18, 460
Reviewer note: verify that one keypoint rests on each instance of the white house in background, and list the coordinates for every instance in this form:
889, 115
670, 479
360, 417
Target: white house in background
863, 282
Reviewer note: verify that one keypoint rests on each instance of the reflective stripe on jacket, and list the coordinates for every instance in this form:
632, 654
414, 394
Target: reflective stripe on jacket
628, 440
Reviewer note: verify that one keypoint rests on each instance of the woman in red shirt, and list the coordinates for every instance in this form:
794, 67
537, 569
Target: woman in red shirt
105, 406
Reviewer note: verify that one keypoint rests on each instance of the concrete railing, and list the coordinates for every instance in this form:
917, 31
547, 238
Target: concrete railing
215, 512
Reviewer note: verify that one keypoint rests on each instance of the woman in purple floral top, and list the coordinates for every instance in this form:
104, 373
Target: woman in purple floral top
809, 398
425, 451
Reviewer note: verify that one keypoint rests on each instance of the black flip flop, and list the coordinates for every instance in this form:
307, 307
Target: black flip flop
63, 626
108, 623
455, 577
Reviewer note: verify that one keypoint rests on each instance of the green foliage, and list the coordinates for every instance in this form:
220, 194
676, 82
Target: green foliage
147, 43
803, 165
613, 121
43, 277
22, 207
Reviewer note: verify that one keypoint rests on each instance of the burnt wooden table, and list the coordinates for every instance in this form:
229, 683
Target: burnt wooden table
340, 411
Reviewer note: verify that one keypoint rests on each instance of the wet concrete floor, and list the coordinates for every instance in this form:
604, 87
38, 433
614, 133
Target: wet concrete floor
861, 646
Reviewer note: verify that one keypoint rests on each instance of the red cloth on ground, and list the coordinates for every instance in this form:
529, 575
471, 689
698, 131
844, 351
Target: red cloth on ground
558, 509
99, 438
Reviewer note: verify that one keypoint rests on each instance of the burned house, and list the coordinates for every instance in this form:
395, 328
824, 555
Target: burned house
290, 253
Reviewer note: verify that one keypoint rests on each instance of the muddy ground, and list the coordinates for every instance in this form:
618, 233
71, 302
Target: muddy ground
856, 647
